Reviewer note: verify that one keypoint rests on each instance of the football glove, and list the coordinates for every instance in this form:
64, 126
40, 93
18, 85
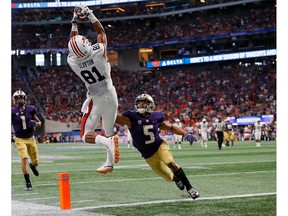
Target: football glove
75, 18
190, 137
32, 123
82, 11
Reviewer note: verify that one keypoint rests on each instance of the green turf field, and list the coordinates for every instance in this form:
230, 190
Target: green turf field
234, 181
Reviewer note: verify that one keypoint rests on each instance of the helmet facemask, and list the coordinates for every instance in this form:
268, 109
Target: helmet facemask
148, 100
19, 98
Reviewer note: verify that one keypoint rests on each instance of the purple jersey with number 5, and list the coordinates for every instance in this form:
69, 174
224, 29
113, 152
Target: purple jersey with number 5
145, 131
20, 120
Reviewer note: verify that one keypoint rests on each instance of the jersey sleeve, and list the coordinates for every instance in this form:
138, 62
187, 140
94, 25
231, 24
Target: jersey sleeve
126, 113
99, 49
159, 116
33, 110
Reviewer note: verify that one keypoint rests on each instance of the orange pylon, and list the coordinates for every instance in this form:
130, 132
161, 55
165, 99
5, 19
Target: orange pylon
64, 191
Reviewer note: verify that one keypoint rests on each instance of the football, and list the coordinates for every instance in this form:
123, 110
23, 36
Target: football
83, 18
80, 15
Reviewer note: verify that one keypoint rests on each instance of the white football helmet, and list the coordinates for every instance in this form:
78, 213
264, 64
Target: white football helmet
19, 98
204, 120
149, 102
80, 47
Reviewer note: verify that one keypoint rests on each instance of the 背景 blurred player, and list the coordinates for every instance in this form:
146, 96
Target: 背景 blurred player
190, 129
258, 132
24, 120
144, 124
91, 64
204, 132
177, 137
228, 133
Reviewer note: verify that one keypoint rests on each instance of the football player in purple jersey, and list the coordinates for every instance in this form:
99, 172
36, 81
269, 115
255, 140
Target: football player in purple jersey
24, 120
144, 124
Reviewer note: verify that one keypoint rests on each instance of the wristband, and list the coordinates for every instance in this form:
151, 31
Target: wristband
74, 27
92, 18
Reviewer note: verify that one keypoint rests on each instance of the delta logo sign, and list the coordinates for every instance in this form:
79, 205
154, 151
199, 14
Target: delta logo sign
164, 63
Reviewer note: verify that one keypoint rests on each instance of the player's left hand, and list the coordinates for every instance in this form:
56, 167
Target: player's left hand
75, 18
190, 137
32, 123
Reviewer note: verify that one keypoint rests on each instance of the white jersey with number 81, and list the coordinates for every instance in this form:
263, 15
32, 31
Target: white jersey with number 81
94, 71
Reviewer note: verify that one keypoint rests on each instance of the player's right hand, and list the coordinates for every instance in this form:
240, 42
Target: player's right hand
82, 11
190, 137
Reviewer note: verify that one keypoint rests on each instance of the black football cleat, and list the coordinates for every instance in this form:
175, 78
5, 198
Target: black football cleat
34, 170
28, 186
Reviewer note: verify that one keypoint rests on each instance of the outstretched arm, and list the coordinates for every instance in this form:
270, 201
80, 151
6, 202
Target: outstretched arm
101, 38
122, 120
98, 27
172, 128
74, 27
177, 130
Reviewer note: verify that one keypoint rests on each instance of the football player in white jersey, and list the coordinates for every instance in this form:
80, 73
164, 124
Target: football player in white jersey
177, 138
204, 132
91, 64
258, 131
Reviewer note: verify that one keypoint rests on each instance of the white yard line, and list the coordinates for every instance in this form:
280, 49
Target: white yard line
175, 200
196, 166
23, 194
43, 198
151, 178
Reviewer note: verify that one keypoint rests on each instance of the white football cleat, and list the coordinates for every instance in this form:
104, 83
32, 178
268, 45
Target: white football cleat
113, 149
106, 168
193, 193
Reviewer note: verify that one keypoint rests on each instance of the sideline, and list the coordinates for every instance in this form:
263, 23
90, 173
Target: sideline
31, 209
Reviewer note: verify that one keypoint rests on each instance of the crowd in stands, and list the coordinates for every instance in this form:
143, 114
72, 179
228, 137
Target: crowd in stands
184, 94
105, 11
179, 93
19, 83
59, 92
141, 32
188, 95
